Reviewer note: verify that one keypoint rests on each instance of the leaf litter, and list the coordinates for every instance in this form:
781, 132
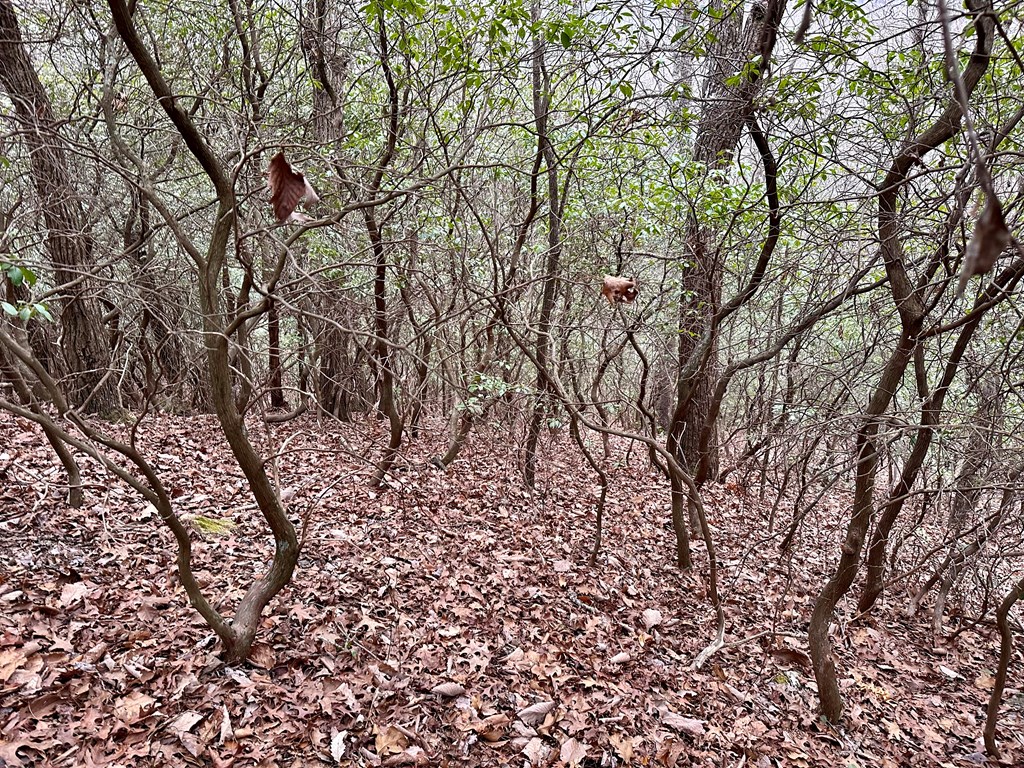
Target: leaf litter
451, 619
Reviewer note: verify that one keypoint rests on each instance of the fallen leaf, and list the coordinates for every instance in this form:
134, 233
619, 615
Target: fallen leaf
535, 751
534, 714
950, 673
623, 747
572, 752
185, 722
686, 725
73, 593
448, 690
10, 660
390, 741
133, 707
652, 618
338, 746
793, 656
492, 728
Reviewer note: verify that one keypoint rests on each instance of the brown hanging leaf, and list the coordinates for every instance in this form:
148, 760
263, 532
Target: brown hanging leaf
991, 236
616, 289
288, 187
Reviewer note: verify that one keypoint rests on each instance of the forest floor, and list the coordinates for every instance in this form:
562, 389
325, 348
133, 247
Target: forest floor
451, 620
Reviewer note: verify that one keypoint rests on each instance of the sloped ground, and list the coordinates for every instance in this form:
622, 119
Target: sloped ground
450, 620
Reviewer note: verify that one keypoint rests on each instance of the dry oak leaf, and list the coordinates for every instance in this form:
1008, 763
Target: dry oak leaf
991, 236
535, 713
652, 618
448, 690
686, 725
288, 187
572, 752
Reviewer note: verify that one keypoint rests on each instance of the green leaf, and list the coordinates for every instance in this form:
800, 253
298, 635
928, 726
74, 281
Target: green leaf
25, 313
42, 310
626, 88
565, 38
10, 309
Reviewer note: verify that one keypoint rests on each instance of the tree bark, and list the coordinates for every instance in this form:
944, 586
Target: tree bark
728, 106
69, 242
910, 306
541, 105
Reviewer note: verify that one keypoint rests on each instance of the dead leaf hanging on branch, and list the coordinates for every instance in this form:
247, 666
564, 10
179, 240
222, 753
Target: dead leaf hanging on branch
616, 289
991, 236
288, 188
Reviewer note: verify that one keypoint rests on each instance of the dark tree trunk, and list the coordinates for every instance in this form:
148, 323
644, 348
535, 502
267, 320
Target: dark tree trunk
728, 105
907, 300
277, 398
69, 242
541, 105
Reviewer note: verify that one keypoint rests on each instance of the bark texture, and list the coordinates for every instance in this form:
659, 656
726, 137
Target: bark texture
69, 242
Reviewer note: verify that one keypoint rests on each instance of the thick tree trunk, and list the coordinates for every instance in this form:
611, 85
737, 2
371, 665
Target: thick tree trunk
728, 104
69, 242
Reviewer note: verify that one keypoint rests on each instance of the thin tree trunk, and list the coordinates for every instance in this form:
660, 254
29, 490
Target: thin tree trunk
541, 105
910, 306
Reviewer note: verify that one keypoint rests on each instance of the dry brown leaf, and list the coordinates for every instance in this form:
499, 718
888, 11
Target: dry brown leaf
288, 187
414, 755
10, 660
534, 714
536, 751
620, 658
185, 722
792, 655
623, 747
73, 593
991, 236
262, 656
686, 725
133, 707
448, 690
493, 728
572, 752
390, 741
652, 618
